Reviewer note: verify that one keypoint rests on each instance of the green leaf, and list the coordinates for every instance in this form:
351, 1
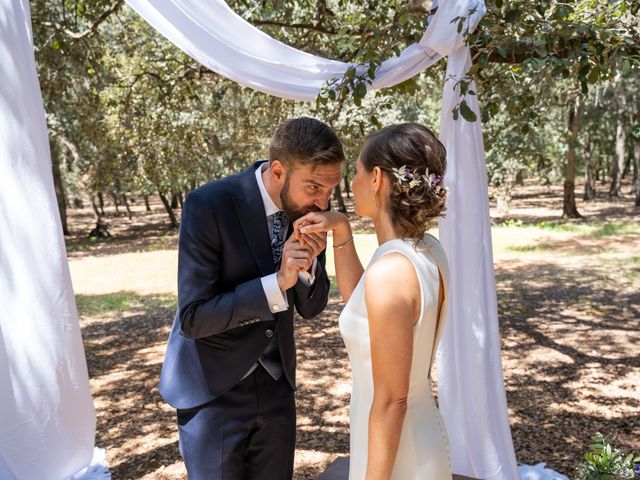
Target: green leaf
455, 112
512, 16
584, 87
464, 87
563, 11
584, 71
466, 112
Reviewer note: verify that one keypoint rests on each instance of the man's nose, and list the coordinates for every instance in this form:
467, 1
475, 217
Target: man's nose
323, 202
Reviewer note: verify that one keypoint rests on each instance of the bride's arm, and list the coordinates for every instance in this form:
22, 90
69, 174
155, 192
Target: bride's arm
392, 298
348, 266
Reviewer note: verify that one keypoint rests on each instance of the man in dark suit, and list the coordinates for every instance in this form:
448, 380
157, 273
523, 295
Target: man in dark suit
230, 364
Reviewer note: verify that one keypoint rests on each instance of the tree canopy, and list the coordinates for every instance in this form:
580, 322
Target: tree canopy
129, 114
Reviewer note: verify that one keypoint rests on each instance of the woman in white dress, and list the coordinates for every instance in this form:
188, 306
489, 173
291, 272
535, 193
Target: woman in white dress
395, 308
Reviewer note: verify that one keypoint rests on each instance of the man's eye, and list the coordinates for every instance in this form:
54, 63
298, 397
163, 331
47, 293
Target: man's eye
313, 188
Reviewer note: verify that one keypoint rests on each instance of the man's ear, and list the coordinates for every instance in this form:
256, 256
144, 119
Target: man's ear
278, 172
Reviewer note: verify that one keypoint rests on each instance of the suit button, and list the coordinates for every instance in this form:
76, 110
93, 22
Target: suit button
269, 333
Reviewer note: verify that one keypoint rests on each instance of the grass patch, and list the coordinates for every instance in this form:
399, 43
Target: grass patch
593, 229
526, 248
118, 302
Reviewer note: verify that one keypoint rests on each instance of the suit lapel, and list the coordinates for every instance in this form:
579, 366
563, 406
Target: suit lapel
250, 211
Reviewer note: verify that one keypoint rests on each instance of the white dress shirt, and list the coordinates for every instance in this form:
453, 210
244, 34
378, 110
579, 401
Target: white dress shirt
276, 299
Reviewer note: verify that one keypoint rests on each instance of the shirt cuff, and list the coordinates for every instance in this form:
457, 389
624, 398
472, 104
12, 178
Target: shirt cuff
277, 301
308, 278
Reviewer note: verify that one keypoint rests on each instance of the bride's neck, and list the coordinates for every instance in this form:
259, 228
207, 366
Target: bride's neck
384, 228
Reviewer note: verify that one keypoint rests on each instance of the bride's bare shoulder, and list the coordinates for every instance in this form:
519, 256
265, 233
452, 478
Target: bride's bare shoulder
391, 278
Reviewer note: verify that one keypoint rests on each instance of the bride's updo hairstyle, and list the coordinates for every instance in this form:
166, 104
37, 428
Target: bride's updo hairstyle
405, 153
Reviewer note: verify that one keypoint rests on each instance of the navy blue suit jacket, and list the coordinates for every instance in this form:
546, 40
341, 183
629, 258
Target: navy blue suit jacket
219, 330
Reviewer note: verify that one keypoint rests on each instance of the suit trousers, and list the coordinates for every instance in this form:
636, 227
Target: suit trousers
247, 433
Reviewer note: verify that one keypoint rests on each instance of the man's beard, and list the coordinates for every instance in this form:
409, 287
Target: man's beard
292, 211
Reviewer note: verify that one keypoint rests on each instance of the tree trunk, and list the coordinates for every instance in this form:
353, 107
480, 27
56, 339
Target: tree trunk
636, 160
167, 207
116, 202
126, 204
347, 186
621, 140
618, 164
101, 200
337, 196
569, 209
589, 173
628, 165
180, 200
146, 203
174, 200
59, 187
636, 167
95, 207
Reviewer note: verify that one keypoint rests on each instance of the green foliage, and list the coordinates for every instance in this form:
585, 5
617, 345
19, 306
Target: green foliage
605, 462
130, 114
119, 302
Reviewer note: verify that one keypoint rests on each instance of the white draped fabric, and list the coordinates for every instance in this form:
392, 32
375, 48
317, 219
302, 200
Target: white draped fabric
47, 420
472, 396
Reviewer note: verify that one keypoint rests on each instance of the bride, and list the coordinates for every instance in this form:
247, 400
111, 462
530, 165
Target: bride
395, 309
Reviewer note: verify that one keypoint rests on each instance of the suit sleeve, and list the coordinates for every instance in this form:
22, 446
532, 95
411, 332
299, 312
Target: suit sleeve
310, 300
204, 308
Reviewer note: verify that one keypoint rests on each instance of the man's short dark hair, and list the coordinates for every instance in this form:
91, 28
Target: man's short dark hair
305, 141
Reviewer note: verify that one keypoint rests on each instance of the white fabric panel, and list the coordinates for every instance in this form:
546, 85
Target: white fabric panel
470, 382
47, 420
215, 36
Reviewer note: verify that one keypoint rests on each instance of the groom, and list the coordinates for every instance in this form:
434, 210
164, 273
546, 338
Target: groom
230, 364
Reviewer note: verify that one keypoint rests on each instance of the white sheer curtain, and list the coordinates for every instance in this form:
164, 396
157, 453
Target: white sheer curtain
471, 386
47, 420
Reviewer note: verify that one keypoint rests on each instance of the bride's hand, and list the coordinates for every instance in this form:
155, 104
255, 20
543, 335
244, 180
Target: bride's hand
321, 222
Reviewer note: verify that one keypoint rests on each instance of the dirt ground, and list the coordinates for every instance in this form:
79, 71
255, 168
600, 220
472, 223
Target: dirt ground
569, 310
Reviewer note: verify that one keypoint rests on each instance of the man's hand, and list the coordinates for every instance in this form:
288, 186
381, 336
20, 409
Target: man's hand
312, 224
295, 258
316, 241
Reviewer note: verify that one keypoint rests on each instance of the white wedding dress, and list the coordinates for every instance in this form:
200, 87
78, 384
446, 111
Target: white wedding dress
423, 453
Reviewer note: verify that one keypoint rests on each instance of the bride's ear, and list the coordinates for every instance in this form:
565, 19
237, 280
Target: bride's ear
376, 179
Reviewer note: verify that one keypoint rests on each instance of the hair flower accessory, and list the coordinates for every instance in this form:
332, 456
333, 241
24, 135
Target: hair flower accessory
409, 178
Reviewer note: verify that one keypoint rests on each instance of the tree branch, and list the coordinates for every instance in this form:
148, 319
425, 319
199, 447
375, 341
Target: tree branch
93, 28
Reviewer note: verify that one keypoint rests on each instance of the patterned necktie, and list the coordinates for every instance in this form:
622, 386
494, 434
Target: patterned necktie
270, 358
277, 235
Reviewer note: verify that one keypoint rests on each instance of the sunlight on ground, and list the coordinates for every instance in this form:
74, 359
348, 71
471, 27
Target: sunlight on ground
567, 297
